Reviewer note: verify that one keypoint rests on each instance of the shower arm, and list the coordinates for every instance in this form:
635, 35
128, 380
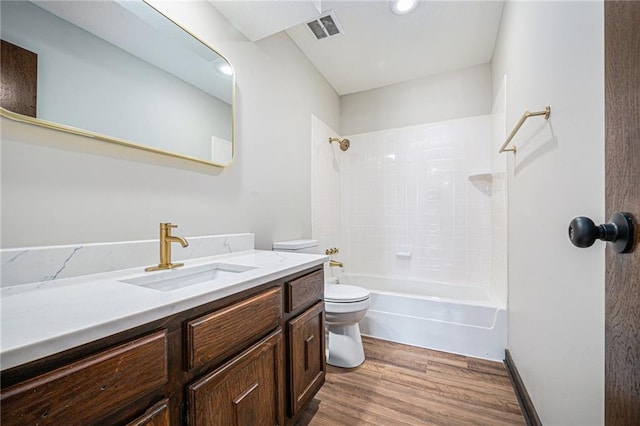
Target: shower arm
344, 143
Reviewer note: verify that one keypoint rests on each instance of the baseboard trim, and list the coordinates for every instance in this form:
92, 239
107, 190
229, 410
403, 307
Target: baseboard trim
526, 405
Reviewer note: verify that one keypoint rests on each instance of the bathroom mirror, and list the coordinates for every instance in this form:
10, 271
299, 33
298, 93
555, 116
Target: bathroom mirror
120, 71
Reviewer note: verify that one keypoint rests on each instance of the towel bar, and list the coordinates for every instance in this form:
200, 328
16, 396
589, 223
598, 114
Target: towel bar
527, 114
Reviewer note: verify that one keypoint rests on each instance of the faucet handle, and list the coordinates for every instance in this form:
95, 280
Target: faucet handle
168, 225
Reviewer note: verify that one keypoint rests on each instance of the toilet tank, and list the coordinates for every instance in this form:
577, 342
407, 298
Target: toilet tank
297, 246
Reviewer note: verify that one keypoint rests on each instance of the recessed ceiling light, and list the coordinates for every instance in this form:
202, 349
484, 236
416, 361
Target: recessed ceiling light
402, 7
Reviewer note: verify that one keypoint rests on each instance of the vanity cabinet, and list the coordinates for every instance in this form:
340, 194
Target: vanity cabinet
253, 358
306, 340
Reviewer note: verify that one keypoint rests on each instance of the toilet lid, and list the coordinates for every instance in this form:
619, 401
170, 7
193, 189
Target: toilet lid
342, 293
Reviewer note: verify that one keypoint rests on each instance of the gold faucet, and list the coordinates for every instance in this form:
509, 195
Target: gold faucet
165, 248
333, 263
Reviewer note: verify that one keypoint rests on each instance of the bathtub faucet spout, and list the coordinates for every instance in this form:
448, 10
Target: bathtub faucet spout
333, 263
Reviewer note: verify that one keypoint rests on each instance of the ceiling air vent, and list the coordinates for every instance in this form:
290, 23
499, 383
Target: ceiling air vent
325, 26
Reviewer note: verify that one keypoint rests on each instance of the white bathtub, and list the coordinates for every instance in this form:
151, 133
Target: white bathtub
464, 320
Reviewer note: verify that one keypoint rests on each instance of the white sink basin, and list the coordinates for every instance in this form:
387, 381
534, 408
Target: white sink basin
173, 279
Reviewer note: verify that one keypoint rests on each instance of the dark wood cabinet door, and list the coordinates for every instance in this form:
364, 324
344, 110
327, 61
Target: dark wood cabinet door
307, 356
246, 391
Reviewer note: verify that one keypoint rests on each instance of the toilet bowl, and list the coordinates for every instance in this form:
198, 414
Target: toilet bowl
345, 306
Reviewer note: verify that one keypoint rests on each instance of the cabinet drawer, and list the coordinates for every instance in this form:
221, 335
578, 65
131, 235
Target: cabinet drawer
89, 389
305, 289
227, 331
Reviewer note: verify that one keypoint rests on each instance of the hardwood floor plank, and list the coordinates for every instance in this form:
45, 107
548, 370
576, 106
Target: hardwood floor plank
422, 405
468, 374
485, 366
499, 400
389, 349
364, 411
391, 411
445, 379
408, 386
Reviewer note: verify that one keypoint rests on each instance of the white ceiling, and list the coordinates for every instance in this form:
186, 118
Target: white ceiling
378, 48
259, 19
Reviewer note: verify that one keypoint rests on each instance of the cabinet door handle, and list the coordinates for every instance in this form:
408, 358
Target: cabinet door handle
307, 348
238, 399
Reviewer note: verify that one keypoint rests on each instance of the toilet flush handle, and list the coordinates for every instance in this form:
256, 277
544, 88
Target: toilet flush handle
583, 232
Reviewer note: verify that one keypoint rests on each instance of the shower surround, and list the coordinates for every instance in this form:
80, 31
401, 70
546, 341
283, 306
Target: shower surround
416, 202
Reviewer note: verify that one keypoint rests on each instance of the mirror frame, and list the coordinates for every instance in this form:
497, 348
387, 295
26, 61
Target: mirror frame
131, 144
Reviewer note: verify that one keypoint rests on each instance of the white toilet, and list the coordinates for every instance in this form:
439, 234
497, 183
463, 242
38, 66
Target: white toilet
345, 306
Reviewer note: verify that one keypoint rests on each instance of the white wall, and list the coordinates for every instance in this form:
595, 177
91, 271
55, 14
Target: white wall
454, 94
61, 189
552, 54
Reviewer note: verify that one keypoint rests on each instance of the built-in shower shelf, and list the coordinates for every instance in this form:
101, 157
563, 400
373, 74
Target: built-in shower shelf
477, 175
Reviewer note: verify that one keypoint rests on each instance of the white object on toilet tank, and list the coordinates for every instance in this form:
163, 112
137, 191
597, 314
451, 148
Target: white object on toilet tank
299, 246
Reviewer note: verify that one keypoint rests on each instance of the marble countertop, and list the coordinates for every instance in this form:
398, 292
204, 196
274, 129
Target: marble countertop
41, 319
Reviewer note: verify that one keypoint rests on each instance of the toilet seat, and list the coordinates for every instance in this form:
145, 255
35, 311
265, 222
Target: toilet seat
341, 293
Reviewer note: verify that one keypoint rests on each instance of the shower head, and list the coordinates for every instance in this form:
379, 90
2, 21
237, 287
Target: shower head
344, 143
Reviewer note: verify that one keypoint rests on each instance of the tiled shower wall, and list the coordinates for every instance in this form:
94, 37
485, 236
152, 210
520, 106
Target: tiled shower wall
416, 202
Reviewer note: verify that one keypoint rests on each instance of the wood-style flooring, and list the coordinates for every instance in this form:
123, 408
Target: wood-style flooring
405, 385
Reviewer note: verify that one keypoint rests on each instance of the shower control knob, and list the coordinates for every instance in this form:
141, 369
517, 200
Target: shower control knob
583, 232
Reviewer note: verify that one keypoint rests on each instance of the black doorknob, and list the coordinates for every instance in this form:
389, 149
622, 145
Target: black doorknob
619, 231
